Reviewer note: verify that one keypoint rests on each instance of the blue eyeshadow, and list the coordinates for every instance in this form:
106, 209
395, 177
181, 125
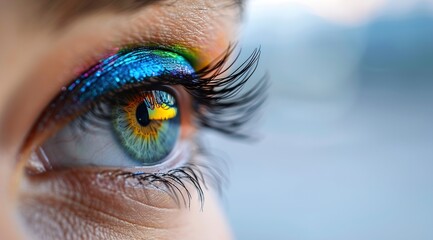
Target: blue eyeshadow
127, 67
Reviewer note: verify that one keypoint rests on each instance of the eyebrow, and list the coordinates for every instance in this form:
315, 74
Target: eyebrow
67, 11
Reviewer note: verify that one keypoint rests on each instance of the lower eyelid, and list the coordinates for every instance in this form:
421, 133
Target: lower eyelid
71, 204
86, 190
179, 182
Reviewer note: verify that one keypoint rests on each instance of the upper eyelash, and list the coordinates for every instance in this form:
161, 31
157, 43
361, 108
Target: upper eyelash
223, 110
201, 175
218, 105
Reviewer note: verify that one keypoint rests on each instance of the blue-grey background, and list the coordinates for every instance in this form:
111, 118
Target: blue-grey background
347, 146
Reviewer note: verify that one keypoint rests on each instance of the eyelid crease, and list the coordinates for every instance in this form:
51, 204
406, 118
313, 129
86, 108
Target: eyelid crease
189, 53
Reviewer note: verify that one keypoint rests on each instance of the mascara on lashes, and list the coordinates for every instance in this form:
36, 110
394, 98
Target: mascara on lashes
211, 87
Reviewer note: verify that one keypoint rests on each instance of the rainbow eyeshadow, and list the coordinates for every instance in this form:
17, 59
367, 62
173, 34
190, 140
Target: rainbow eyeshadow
129, 67
144, 118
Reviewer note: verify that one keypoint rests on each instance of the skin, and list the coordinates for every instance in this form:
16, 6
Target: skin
37, 58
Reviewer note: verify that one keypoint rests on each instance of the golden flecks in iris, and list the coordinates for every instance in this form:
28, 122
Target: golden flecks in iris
158, 113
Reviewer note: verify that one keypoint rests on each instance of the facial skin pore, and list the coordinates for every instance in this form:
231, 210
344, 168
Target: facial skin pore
38, 57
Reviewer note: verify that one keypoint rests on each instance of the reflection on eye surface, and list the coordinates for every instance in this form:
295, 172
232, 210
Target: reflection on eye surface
147, 125
131, 113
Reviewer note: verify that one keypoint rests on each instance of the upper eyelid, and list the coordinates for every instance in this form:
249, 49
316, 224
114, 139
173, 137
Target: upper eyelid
74, 89
112, 64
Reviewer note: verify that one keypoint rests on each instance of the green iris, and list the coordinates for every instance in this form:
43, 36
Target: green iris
147, 125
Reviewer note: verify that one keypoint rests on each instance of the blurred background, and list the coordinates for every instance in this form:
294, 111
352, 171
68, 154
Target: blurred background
347, 147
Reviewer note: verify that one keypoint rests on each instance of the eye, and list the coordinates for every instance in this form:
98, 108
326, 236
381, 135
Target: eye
125, 112
136, 113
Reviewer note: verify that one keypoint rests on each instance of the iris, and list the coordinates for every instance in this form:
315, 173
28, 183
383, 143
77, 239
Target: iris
147, 125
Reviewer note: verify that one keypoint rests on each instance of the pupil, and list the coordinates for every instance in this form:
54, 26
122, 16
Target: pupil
142, 115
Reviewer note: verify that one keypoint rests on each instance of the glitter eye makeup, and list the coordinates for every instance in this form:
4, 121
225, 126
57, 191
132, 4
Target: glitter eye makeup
128, 67
123, 69
130, 112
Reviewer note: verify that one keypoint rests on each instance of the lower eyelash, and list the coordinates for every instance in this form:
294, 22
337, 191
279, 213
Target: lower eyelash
172, 182
199, 173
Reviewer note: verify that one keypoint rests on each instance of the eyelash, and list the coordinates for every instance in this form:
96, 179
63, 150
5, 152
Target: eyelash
217, 106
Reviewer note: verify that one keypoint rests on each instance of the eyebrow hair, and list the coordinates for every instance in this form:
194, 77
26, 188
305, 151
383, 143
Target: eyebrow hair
66, 11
